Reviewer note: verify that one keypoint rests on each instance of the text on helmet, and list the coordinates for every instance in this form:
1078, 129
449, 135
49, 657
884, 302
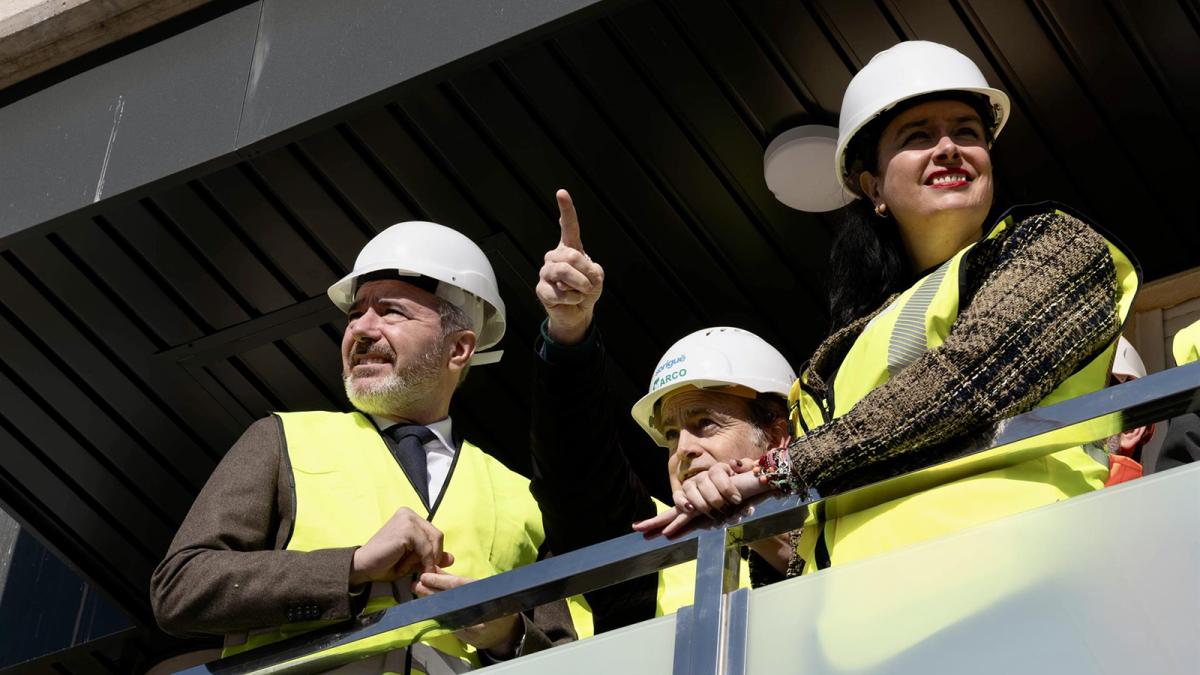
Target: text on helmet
671, 364
668, 378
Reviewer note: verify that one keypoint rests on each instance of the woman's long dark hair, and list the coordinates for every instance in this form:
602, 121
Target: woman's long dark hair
868, 262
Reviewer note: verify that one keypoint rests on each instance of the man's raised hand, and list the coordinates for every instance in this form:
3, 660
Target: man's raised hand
569, 283
407, 543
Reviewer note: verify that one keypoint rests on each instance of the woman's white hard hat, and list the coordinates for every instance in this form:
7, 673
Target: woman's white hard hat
905, 71
465, 277
709, 358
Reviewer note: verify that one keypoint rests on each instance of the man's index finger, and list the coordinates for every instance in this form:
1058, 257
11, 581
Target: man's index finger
568, 221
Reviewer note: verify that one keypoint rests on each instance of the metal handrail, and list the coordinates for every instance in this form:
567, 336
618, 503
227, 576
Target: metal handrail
1144, 401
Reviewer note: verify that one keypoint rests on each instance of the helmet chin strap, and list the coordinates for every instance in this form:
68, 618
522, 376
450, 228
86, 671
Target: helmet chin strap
484, 358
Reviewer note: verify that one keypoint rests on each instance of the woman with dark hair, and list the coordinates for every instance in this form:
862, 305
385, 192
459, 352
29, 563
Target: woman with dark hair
942, 324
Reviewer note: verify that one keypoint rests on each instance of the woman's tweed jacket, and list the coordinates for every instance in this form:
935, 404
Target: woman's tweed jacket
1035, 303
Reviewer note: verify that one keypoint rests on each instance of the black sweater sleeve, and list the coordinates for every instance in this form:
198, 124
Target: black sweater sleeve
583, 483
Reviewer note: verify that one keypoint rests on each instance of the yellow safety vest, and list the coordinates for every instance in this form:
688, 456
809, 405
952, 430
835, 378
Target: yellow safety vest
1186, 345
941, 500
676, 588
348, 484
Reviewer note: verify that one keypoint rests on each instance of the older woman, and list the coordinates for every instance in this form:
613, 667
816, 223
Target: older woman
941, 326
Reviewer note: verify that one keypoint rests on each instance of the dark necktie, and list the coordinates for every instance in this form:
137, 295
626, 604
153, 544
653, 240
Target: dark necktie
409, 449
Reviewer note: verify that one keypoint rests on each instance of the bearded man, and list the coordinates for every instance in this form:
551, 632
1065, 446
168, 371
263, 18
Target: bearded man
315, 517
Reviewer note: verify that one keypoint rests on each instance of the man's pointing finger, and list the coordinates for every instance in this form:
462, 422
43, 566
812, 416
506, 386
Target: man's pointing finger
568, 221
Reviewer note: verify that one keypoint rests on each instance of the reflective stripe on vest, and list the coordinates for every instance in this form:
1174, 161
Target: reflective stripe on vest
945, 499
348, 485
1186, 345
676, 588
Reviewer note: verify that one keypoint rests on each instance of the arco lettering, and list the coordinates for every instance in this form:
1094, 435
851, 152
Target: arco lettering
668, 378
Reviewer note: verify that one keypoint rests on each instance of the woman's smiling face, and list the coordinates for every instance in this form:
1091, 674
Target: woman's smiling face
935, 174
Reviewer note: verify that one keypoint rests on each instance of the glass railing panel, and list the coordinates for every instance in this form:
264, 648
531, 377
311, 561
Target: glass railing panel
1063, 588
645, 648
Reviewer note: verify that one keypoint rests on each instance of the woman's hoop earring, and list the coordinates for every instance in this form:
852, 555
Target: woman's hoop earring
881, 210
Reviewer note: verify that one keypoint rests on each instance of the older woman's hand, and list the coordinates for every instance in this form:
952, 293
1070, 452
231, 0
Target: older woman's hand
714, 493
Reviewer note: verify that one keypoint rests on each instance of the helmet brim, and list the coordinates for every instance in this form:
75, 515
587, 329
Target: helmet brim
999, 101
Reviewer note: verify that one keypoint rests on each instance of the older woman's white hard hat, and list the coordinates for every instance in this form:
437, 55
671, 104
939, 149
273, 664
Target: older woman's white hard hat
712, 358
906, 71
465, 277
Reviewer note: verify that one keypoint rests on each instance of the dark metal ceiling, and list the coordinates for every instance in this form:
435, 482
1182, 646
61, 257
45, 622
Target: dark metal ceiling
138, 343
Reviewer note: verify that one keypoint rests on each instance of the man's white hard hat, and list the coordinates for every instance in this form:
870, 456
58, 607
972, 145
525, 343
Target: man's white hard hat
905, 71
709, 358
1127, 361
465, 277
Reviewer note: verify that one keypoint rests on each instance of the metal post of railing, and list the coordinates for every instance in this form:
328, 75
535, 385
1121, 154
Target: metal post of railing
737, 631
717, 568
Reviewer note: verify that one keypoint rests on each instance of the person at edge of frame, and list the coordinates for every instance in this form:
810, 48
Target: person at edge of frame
1123, 452
1181, 445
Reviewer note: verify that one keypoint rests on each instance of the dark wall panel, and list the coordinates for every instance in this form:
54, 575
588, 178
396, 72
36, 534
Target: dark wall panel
803, 46
1163, 36
712, 212
225, 247
63, 423
168, 257
543, 166
299, 186
69, 320
64, 487
283, 243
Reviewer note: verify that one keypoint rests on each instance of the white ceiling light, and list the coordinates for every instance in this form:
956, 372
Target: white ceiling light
798, 166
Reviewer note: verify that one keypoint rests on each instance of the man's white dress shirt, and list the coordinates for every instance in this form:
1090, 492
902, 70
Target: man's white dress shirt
439, 453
